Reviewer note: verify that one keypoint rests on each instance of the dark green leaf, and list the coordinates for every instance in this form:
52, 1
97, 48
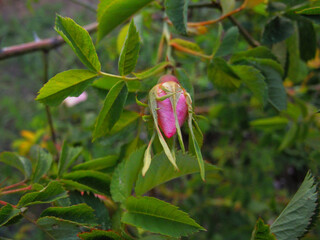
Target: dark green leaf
258, 52
8, 213
100, 234
125, 175
299, 214
294, 56
98, 163
152, 71
50, 193
185, 81
80, 42
64, 84
228, 43
100, 210
158, 216
111, 110
112, 13
289, 137
93, 179
59, 229
254, 80
126, 119
162, 171
307, 40
277, 30
222, 75
177, 11
262, 231
67, 157
80, 214
44, 161
18, 162
130, 51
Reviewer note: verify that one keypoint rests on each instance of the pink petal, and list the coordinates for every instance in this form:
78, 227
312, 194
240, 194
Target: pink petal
72, 101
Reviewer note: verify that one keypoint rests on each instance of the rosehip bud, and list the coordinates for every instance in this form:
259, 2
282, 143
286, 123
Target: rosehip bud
169, 85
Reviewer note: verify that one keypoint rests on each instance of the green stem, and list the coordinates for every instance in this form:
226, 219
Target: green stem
117, 76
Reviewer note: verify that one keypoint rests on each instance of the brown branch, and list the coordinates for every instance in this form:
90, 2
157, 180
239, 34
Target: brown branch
41, 45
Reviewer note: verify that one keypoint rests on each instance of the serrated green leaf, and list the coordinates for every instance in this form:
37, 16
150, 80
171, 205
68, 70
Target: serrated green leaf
80, 42
93, 179
254, 80
152, 71
107, 82
8, 213
112, 13
122, 37
273, 73
228, 43
277, 29
111, 110
299, 214
125, 175
262, 231
64, 84
130, 51
158, 216
222, 76
50, 193
309, 11
60, 229
100, 234
80, 214
162, 171
98, 163
67, 157
258, 52
177, 11
73, 185
100, 210
44, 161
21, 163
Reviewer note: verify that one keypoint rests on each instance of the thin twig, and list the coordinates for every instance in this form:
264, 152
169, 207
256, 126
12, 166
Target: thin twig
40, 45
244, 33
189, 51
13, 185
45, 80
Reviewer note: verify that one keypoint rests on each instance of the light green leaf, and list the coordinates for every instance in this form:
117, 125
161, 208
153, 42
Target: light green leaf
162, 171
98, 163
111, 110
112, 13
222, 76
100, 234
107, 82
125, 175
7, 214
299, 214
60, 229
158, 216
177, 11
80, 214
272, 122
64, 84
50, 193
309, 11
289, 137
122, 37
67, 157
147, 156
228, 43
187, 44
44, 161
80, 42
152, 71
21, 163
262, 231
254, 80
130, 51
93, 179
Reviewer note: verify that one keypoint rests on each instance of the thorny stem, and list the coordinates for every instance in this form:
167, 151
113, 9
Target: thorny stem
45, 79
36, 224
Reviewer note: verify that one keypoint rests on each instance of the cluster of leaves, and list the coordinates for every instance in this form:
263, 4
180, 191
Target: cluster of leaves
102, 198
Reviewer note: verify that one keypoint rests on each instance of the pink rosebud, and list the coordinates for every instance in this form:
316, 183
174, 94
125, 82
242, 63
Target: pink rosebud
72, 101
169, 84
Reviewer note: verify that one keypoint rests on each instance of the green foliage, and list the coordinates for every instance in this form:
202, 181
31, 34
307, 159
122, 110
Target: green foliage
111, 110
67, 157
100, 234
277, 30
21, 163
262, 231
145, 212
300, 213
229, 42
98, 164
177, 11
68, 83
44, 161
152, 71
7, 214
130, 51
112, 13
